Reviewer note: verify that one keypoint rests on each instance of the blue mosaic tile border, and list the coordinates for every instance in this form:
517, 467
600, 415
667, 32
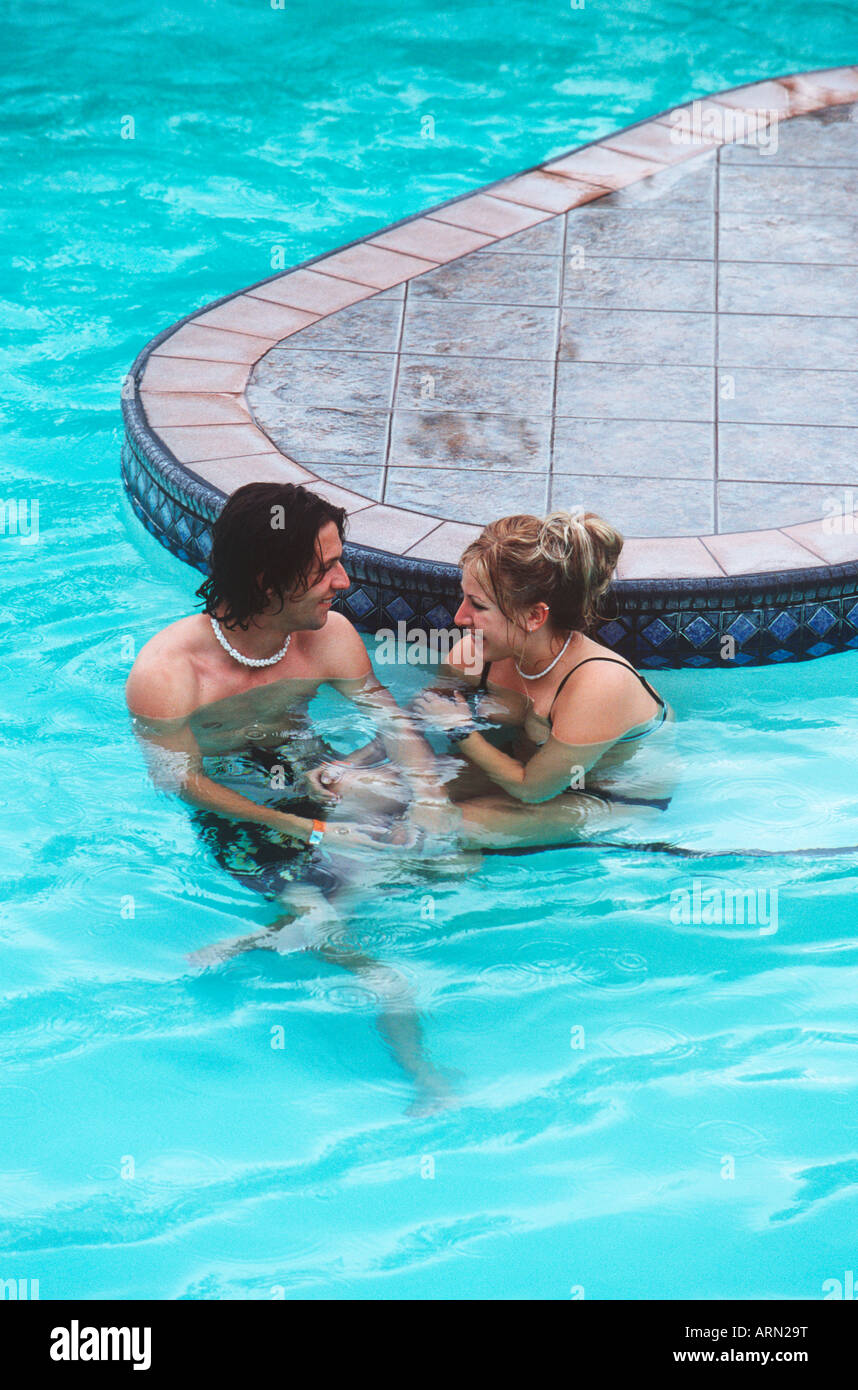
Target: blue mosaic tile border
749, 621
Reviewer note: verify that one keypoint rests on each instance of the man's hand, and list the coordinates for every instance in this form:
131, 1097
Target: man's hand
322, 782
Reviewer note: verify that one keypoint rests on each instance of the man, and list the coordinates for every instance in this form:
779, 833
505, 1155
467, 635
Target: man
222, 697
242, 673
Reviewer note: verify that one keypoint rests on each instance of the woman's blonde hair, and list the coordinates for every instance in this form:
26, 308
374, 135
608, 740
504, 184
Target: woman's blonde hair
565, 560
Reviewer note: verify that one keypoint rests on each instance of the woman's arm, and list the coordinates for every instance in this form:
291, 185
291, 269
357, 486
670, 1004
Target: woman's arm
584, 728
554, 768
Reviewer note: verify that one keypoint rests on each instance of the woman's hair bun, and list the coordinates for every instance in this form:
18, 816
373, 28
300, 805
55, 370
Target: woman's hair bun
566, 560
580, 542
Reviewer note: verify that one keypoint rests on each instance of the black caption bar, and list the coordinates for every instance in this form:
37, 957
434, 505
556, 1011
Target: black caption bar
145, 1340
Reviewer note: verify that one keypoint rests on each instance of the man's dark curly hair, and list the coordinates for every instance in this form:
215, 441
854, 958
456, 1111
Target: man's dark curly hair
266, 537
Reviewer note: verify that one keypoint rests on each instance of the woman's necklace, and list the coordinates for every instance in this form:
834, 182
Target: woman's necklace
536, 677
251, 660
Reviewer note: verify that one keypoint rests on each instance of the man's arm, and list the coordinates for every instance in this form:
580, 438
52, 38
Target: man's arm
161, 701
396, 732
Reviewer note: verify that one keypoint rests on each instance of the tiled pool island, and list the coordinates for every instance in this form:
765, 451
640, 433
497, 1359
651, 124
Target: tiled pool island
660, 327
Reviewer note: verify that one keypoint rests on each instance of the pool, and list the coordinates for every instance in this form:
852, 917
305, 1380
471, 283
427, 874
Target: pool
648, 1107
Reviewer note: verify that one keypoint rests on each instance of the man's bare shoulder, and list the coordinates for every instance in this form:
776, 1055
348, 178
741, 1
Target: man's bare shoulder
338, 650
163, 683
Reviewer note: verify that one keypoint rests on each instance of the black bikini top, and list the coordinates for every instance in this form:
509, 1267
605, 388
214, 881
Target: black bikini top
484, 674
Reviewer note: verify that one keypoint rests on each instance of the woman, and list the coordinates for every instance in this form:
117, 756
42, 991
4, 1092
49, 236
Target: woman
589, 749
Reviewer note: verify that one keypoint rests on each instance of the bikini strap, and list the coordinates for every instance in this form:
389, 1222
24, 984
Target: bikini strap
484, 675
654, 693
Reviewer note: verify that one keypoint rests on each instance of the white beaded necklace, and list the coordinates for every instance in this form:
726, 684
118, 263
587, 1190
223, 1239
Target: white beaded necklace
536, 677
250, 660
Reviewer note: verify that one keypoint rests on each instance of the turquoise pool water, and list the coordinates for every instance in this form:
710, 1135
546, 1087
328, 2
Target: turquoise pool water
615, 1065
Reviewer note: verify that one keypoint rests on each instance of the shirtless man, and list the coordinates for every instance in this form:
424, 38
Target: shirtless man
243, 672
231, 686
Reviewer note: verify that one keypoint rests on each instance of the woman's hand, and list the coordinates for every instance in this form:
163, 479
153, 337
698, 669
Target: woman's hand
444, 711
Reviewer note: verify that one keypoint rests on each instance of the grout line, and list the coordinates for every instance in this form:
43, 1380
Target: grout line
561, 283
501, 236
600, 361
555, 212
263, 337
444, 301
593, 419
817, 554
651, 207
589, 180
388, 434
254, 293
572, 304
273, 454
319, 481
475, 471
368, 241
637, 255
416, 355
716, 506
379, 289
765, 163
433, 300
443, 522
809, 548
629, 154
609, 143
702, 541
434, 264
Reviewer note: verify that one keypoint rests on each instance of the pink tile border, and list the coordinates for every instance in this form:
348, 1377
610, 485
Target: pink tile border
828, 88
446, 543
496, 216
248, 314
703, 125
658, 140
677, 557
317, 294
193, 443
164, 408
193, 382
342, 496
214, 345
758, 552
833, 547
431, 239
768, 96
187, 375
228, 474
391, 528
609, 169
374, 265
549, 192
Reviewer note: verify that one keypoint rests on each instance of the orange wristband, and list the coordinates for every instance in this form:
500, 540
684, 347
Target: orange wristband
316, 834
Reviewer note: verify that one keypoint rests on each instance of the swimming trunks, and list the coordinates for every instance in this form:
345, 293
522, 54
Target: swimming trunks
257, 855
